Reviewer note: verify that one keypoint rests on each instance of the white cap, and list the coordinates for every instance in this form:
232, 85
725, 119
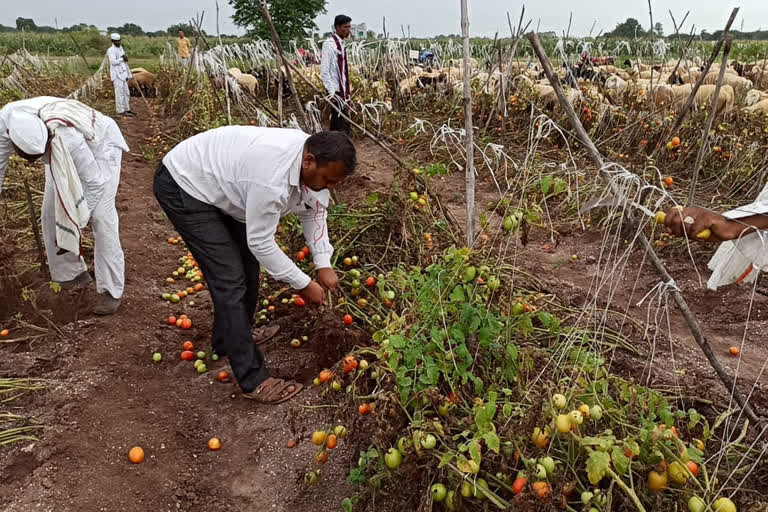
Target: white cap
115, 36
28, 132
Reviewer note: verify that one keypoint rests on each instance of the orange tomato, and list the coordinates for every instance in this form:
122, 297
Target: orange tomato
321, 457
331, 442
542, 490
190, 291
734, 351
291, 443
198, 287
363, 409
675, 141
171, 240
300, 256
305, 250
223, 376
182, 317
692, 467
186, 323
179, 321
187, 345
519, 485
171, 320
370, 282
271, 309
350, 364
214, 444
325, 375
668, 181
4, 333
136, 455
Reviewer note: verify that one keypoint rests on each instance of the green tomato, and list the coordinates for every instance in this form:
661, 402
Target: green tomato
215, 357
157, 357
559, 401
166, 296
202, 368
363, 364
444, 409
201, 355
466, 489
481, 489
355, 273
265, 303
493, 283
541, 472
576, 417
355, 283
438, 492
724, 505
563, 423
175, 298
517, 308
414, 196
586, 497
389, 295
354, 259
336, 385
393, 458
596, 412
428, 442
508, 224
468, 274
549, 465
450, 501
696, 504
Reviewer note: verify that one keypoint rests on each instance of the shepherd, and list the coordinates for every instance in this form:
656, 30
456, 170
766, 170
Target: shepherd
120, 73
225, 191
82, 151
183, 48
335, 71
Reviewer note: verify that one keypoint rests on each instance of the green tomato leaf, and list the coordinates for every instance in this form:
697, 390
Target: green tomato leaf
598, 465
620, 461
474, 451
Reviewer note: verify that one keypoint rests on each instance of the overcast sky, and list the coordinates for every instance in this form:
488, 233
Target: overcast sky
425, 17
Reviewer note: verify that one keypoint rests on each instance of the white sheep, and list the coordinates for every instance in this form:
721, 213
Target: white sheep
759, 107
724, 100
755, 96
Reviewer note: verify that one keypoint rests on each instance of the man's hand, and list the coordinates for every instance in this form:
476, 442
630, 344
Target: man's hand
694, 220
314, 293
328, 278
125, 58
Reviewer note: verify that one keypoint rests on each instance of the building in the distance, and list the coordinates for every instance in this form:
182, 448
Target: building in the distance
358, 30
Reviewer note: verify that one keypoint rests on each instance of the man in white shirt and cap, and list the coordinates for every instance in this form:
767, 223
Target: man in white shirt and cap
225, 191
82, 152
120, 73
334, 70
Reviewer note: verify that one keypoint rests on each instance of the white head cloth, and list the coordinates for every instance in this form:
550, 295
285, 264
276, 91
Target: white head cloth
28, 132
115, 36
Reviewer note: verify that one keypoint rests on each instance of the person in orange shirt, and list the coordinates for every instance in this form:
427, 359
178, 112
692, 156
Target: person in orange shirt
183, 48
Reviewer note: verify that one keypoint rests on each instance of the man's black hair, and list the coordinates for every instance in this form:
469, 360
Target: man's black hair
333, 147
341, 19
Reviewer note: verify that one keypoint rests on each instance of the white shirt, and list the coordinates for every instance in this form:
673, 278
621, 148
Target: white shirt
329, 66
86, 155
118, 68
253, 175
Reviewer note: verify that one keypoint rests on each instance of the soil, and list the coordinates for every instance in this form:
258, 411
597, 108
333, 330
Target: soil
106, 395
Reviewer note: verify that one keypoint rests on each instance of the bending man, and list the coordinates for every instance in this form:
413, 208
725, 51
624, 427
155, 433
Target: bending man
82, 151
225, 191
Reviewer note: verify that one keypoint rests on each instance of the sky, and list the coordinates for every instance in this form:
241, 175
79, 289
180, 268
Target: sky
424, 17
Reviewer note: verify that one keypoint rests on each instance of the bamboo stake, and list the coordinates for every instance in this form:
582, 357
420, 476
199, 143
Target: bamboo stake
710, 120
469, 171
33, 222
226, 82
597, 160
279, 48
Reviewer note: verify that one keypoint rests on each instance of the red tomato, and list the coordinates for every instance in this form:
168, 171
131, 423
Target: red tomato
300, 256
186, 324
187, 355
299, 301
519, 485
348, 319
187, 346
171, 320
370, 282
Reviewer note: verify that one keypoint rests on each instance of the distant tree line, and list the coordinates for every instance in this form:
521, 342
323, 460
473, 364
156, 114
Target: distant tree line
130, 29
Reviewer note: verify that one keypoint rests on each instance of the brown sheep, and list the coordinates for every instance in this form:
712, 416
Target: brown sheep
142, 82
724, 100
760, 107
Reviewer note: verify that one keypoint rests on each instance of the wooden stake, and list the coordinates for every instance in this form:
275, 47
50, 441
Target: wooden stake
226, 82
35, 231
597, 160
279, 49
469, 171
710, 120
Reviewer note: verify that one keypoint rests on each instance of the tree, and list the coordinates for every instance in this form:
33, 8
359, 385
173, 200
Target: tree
27, 24
629, 29
186, 27
658, 29
129, 29
293, 19
370, 34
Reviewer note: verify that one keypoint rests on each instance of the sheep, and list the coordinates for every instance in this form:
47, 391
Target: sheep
615, 85
738, 83
724, 100
246, 81
235, 72
760, 107
142, 82
138, 70
755, 96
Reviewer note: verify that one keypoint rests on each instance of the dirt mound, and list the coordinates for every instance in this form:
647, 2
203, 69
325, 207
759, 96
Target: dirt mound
332, 340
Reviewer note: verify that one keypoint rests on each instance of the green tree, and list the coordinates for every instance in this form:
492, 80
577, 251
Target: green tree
658, 29
186, 27
293, 19
128, 29
629, 29
27, 24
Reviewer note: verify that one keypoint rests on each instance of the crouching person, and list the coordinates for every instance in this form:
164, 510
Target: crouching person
225, 191
82, 151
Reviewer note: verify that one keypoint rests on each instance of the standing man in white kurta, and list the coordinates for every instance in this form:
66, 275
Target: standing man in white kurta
334, 71
120, 73
225, 191
91, 146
